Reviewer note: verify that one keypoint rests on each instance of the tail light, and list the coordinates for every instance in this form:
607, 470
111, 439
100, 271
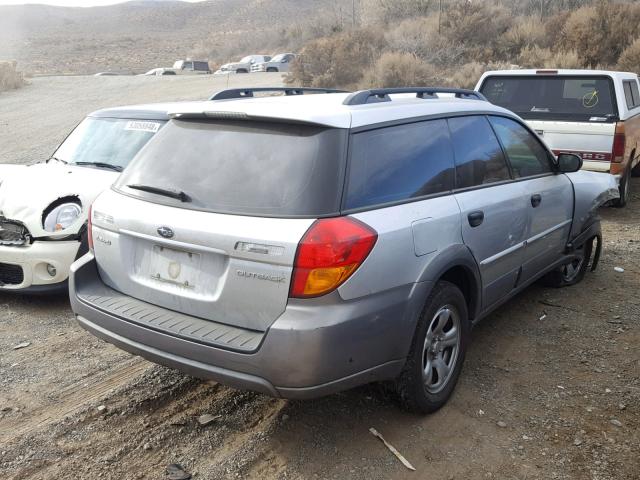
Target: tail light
619, 141
90, 231
330, 251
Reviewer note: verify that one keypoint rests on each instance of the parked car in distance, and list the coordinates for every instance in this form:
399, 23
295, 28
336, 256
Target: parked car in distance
182, 67
243, 66
593, 113
43, 219
247, 244
279, 63
158, 72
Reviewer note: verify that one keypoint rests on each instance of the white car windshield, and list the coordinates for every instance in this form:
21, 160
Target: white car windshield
279, 57
106, 141
248, 59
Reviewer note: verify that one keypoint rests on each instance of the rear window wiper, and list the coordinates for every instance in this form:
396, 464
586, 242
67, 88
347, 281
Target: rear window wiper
117, 168
178, 195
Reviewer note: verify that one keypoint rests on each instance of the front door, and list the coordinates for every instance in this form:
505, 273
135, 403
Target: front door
549, 196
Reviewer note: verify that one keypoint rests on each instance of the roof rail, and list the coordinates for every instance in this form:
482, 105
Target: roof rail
377, 95
235, 93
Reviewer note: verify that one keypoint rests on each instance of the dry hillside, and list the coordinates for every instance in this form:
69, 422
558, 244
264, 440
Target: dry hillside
136, 36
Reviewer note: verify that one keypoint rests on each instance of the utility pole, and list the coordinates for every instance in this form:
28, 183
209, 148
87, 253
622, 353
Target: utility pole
440, 18
353, 13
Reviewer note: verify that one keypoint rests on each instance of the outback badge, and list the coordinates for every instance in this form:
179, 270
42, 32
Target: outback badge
165, 232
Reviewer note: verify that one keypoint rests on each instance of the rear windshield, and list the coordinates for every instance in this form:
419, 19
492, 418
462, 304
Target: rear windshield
110, 141
585, 99
243, 167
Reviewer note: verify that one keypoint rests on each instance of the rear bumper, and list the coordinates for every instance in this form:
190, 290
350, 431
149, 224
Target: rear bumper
316, 347
33, 260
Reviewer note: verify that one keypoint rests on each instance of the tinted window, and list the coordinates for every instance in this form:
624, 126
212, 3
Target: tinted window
114, 141
526, 155
635, 93
627, 94
550, 97
479, 158
399, 163
243, 167
632, 96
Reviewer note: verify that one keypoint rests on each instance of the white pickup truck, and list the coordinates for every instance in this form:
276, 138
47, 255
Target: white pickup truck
593, 113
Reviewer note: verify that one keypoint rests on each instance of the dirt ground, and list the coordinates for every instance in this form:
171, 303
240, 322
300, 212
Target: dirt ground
550, 388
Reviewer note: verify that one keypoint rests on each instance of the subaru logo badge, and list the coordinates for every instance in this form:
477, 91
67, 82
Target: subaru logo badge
165, 232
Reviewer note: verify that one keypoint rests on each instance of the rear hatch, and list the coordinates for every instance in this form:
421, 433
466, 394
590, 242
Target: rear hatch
207, 219
572, 113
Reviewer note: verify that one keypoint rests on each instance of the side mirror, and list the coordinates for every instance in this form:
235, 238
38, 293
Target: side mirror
569, 162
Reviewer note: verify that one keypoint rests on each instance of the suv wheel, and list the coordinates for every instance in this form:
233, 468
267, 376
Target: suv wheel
242, 70
572, 272
272, 69
625, 186
437, 352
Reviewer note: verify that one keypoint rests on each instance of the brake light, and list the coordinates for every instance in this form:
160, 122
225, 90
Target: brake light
619, 141
90, 230
330, 251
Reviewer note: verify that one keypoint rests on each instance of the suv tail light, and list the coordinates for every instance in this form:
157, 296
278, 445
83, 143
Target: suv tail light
90, 230
619, 141
330, 251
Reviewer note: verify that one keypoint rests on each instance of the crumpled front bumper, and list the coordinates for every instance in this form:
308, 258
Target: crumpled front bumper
33, 260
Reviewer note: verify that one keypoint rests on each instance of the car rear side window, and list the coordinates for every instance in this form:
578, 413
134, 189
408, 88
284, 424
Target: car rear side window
242, 167
478, 156
526, 155
399, 163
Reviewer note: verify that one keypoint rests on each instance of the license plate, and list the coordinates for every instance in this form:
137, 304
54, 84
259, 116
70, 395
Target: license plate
174, 266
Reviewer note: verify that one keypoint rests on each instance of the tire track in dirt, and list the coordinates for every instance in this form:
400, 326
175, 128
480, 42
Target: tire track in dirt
71, 400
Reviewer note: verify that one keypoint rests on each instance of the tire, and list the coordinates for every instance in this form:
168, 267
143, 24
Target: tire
242, 70
571, 273
272, 70
625, 187
420, 388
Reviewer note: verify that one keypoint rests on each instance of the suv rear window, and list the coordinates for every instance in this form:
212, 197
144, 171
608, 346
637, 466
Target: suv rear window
243, 167
541, 97
398, 163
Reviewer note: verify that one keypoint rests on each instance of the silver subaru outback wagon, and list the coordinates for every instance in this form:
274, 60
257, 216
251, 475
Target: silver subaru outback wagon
306, 244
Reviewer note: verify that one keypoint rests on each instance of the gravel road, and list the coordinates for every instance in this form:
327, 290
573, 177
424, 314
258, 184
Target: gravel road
550, 388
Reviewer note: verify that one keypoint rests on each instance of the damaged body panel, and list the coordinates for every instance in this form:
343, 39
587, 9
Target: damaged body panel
44, 206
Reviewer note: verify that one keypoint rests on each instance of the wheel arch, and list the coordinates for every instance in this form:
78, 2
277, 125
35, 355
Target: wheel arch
457, 265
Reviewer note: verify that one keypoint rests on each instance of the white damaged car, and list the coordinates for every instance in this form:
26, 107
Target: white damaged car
44, 206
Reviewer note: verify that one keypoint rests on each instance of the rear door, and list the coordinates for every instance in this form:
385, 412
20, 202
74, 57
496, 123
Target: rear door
206, 220
550, 196
493, 207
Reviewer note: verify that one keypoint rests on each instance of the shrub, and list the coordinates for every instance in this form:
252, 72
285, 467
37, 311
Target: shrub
600, 33
478, 26
10, 78
536, 57
420, 37
630, 58
337, 61
467, 75
396, 69
525, 32
386, 11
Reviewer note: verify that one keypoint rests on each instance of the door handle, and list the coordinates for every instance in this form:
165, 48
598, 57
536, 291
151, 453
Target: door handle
476, 218
536, 200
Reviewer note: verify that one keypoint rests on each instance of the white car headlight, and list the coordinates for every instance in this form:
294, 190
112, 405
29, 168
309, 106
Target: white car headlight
62, 217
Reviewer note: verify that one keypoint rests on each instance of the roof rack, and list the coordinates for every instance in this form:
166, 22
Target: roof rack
235, 93
382, 94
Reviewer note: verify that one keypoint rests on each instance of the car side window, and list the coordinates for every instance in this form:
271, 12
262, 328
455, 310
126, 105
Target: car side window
399, 163
526, 155
478, 156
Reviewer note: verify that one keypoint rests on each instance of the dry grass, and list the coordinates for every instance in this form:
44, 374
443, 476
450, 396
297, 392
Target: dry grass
10, 77
394, 69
